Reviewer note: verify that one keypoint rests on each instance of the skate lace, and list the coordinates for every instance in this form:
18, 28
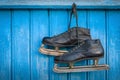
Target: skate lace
75, 48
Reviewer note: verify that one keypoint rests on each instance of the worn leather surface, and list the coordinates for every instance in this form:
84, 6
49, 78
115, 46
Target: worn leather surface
88, 49
68, 38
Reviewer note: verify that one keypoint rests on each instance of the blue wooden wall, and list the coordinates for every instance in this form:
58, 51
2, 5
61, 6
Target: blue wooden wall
21, 33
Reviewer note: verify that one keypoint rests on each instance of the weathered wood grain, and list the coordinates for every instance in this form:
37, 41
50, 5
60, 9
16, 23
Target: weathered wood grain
39, 29
21, 33
56, 4
113, 42
5, 43
20, 45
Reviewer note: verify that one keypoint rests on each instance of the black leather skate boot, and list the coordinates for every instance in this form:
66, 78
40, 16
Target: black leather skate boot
89, 49
69, 38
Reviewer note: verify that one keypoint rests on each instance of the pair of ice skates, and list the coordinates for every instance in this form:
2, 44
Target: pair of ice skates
83, 48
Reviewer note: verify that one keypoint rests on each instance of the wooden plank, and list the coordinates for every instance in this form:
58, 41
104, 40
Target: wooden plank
5, 43
59, 2
58, 24
96, 23
20, 45
110, 6
39, 29
82, 18
113, 39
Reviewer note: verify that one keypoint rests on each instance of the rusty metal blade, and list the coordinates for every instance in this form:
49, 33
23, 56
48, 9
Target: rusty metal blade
80, 68
51, 51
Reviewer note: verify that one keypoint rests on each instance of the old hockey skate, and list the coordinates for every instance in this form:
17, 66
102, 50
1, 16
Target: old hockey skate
89, 49
66, 39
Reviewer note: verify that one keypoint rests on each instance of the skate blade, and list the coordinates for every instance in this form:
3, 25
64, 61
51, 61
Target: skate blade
80, 68
51, 52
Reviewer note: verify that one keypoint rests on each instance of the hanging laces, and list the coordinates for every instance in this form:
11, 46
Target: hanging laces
74, 12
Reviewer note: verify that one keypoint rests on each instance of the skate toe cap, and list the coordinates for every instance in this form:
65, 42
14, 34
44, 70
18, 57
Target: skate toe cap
46, 40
